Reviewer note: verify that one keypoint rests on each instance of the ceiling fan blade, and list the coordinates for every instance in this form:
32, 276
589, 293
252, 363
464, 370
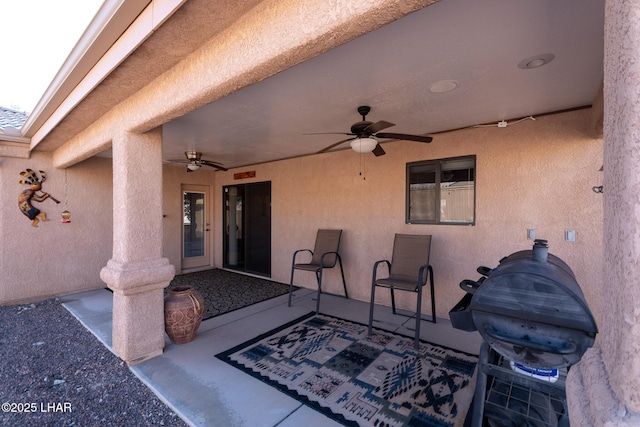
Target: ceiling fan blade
418, 138
377, 126
378, 151
213, 165
329, 133
334, 145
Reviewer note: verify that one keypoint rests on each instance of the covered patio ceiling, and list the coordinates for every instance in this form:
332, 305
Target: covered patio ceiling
478, 45
399, 70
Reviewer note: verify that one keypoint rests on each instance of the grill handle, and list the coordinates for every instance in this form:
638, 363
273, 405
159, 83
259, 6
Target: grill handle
485, 271
470, 286
543, 344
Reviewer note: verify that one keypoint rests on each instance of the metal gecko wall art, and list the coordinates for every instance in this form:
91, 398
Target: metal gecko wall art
27, 197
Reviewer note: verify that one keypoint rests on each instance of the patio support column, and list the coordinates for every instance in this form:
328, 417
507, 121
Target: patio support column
138, 272
604, 388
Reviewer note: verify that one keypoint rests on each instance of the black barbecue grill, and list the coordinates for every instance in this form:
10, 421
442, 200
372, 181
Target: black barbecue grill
529, 309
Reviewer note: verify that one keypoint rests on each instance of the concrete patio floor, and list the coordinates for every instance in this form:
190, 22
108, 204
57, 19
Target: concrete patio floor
205, 391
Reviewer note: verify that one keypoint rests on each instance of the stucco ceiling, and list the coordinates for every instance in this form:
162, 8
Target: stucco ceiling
477, 44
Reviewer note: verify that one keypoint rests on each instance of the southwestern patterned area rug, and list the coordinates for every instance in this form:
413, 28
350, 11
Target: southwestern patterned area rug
332, 365
225, 291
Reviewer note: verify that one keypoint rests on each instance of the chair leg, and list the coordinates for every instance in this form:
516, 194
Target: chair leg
291, 284
393, 301
433, 295
418, 318
344, 283
319, 278
371, 304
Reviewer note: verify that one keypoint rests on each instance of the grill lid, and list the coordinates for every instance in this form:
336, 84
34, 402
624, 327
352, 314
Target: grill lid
531, 309
530, 291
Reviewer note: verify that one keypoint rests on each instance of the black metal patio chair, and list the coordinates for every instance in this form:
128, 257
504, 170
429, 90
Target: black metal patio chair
324, 255
409, 270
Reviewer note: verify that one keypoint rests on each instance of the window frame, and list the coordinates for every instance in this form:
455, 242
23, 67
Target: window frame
437, 163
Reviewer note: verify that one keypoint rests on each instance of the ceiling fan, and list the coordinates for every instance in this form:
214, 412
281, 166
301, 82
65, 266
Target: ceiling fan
195, 162
363, 133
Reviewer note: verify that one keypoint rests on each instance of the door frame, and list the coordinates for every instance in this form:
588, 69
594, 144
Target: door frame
205, 261
248, 209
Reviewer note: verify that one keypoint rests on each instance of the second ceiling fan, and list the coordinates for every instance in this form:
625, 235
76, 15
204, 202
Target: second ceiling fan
195, 161
363, 132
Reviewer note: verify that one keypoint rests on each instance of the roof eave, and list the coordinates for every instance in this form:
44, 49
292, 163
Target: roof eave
111, 21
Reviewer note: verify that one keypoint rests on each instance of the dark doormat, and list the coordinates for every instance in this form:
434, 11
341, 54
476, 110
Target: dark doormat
225, 291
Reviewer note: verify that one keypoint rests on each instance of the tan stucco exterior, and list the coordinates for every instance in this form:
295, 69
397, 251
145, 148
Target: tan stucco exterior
55, 258
537, 174
605, 387
533, 175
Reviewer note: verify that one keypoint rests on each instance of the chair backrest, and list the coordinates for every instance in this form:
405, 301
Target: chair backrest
326, 241
410, 252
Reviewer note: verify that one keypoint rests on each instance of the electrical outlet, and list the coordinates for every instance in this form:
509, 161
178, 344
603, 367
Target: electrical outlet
570, 235
531, 233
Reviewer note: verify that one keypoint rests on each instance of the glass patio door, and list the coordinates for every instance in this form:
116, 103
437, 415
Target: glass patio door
247, 227
195, 227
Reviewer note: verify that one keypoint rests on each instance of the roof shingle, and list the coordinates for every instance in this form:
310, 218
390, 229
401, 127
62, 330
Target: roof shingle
11, 118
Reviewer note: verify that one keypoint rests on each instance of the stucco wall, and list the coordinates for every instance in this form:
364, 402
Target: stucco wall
55, 258
621, 334
536, 174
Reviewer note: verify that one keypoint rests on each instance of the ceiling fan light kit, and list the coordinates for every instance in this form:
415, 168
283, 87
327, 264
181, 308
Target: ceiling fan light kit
363, 132
363, 145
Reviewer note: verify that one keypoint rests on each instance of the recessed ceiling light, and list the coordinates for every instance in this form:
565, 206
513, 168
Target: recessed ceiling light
536, 61
443, 86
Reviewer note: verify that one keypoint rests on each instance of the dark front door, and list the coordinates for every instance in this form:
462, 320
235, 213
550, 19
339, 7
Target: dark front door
247, 227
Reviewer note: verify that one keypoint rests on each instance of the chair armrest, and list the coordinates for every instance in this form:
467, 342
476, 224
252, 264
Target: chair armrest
300, 250
422, 279
329, 253
375, 268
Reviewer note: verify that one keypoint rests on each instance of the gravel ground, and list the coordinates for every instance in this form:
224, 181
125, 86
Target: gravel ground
54, 372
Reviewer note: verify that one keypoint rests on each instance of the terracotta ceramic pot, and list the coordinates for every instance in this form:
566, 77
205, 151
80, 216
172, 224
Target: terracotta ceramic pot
183, 310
